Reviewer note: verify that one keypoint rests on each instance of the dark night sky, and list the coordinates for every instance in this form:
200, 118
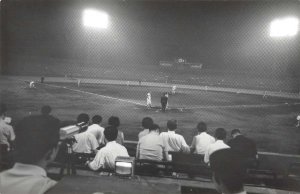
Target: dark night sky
221, 35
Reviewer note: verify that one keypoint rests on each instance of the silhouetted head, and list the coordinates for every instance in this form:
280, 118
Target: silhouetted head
154, 127
220, 134
46, 110
147, 122
172, 125
37, 139
235, 132
201, 127
97, 119
83, 117
228, 172
111, 133
114, 121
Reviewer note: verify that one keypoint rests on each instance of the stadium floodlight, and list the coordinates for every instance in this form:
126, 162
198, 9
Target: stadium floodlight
285, 27
95, 19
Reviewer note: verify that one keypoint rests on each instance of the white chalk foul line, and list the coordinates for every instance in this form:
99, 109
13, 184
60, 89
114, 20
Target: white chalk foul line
244, 106
99, 95
184, 108
179, 108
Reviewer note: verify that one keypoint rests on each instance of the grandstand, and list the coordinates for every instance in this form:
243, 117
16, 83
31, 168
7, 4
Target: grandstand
249, 80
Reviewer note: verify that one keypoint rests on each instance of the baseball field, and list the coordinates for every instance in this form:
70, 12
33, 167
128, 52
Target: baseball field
270, 121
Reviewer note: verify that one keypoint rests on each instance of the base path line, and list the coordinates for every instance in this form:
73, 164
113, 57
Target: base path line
165, 85
243, 106
99, 95
179, 108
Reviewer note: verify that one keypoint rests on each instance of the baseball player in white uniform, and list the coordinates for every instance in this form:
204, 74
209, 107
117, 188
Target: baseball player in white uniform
298, 121
167, 95
174, 89
149, 103
31, 84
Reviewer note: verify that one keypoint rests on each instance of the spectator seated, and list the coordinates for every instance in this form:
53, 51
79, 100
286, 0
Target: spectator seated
173, 141
6, 157
105, 157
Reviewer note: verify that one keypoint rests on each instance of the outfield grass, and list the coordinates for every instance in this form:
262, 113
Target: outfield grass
270, 122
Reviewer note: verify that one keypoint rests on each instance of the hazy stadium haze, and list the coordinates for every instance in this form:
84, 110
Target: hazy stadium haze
226, 36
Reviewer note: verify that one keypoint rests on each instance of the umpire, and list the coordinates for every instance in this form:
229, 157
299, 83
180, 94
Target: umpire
164, 101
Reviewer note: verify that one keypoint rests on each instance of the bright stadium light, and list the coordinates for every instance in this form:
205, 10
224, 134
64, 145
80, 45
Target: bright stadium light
95, 19
284, 27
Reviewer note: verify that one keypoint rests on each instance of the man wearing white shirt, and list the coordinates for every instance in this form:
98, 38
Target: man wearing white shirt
36, 146
151, 146
106, 156
201, 141
86, 142
172, 141
147, 122
220, 136
7, 134
96, 129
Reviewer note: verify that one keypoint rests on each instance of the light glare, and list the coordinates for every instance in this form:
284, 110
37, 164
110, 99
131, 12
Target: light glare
124, 164
285, 27
95, 19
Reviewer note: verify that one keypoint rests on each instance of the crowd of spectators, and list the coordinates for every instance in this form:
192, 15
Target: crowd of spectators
36, 144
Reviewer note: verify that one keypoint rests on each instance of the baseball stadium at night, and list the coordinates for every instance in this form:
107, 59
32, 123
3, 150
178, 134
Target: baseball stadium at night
163, 96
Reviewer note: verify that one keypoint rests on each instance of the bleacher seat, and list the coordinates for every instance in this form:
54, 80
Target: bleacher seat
293, 176
151, 167
191, 164
261, 177
294, 171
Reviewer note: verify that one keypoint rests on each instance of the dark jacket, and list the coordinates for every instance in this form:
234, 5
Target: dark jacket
164, 100
244, 146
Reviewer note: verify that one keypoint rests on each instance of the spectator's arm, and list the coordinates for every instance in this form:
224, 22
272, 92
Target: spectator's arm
93, 143
184, 147
206, 156
193, 146
138, 151
12, 134
165, 154
122, 138
101, 139
97, 163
